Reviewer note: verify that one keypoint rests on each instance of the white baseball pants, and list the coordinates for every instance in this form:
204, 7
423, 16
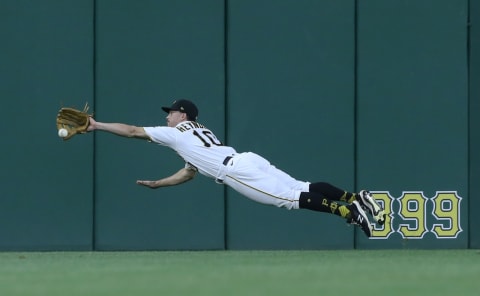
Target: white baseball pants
254, 177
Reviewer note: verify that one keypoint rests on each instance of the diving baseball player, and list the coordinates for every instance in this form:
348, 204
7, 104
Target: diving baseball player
248, 173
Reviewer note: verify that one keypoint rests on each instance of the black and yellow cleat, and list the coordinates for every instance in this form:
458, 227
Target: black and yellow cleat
369, 203
359, 217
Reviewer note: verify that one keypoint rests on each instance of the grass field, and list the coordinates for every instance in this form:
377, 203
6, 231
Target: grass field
276, 273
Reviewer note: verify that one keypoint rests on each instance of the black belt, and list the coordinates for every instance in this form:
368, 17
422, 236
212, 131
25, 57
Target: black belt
227, 159
225, 162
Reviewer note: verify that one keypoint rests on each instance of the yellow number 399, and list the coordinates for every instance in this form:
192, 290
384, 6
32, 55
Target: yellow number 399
413, 213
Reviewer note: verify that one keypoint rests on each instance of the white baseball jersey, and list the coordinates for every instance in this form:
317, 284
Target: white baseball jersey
247, 173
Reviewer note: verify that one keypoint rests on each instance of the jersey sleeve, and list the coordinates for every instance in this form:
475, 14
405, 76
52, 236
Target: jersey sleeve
162, 135
191, 167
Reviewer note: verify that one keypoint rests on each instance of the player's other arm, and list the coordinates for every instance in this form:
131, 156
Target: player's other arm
120, 129
182, 176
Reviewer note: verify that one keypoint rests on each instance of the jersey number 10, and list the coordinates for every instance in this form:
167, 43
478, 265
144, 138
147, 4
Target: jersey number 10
210, 138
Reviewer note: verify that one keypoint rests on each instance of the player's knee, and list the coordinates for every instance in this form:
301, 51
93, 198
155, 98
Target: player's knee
289, 205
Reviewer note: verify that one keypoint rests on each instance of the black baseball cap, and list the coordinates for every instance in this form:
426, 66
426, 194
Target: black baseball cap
184, 106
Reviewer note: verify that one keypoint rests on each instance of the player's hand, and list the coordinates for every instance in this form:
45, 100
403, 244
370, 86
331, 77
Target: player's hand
149, 184
92, 125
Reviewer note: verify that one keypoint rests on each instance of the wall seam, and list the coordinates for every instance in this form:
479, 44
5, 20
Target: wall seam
225, 119
355, 103
469, 172
94, 87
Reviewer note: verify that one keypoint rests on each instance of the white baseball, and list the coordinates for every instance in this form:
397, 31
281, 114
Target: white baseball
62, 133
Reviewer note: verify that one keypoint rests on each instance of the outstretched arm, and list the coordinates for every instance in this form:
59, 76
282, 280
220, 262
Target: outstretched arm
120, 129
183, 175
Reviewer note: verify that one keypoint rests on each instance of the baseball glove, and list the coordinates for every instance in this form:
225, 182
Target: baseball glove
73, 120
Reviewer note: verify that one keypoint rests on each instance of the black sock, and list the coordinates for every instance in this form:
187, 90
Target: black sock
317, 202
332, 192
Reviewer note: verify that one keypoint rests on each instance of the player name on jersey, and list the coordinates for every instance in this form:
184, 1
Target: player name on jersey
188, 126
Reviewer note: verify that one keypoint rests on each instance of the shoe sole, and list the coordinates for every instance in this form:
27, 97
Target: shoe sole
378, 213
364, 216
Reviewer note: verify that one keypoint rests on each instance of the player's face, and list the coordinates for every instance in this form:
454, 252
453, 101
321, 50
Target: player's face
175, 117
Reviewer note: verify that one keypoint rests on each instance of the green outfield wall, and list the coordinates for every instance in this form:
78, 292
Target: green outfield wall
412, 118
147, 54
47, 192
474, 123
304, 128
378, 94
